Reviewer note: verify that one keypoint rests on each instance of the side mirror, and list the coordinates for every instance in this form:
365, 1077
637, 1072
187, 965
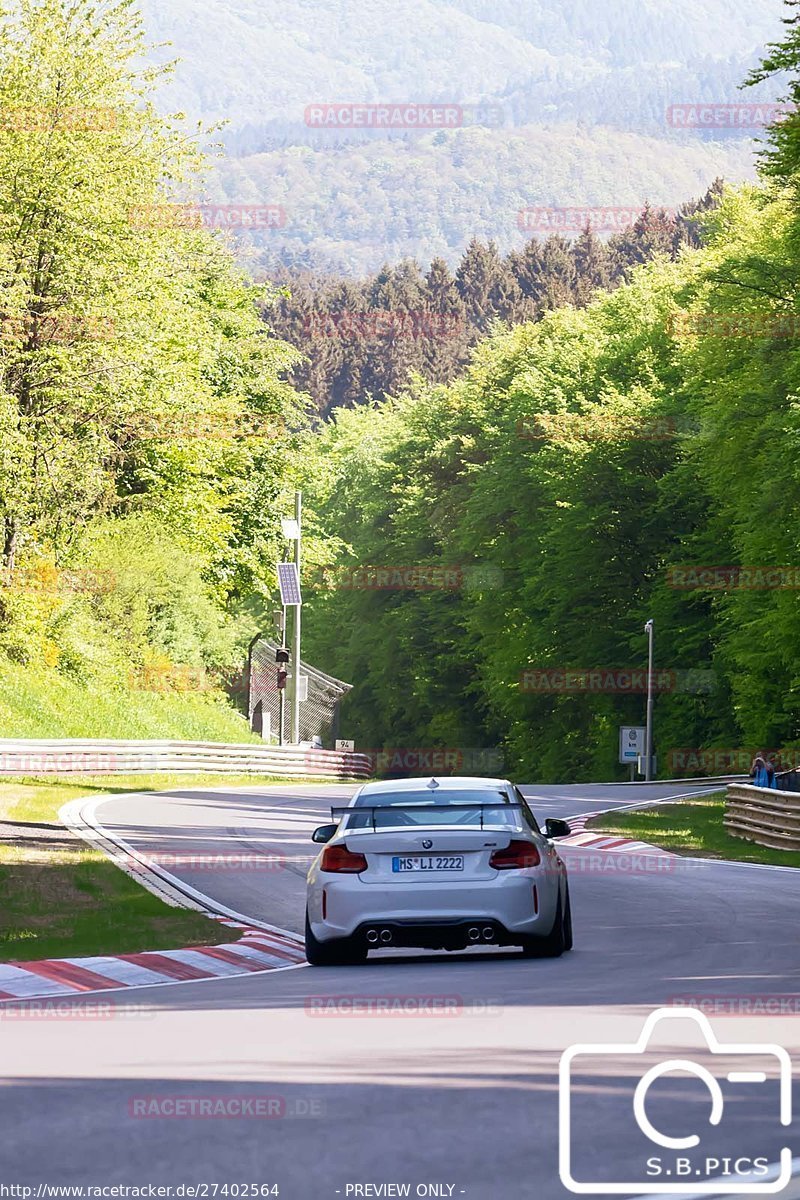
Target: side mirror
554, 827
324, 833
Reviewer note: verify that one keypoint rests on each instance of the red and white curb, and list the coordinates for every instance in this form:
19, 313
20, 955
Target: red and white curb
584, 839
257, 951
262, 947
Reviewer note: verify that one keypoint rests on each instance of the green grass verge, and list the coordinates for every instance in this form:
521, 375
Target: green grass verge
59, 898
45, 704
58, 903
691, 827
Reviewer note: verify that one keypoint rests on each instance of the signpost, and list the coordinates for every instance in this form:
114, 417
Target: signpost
631, 744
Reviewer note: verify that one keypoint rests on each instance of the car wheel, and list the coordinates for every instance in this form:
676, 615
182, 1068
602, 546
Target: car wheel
552, 946
339, 952
568, 922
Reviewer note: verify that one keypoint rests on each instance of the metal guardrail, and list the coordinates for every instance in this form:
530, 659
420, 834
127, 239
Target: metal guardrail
788, 781
89, 756
767, 816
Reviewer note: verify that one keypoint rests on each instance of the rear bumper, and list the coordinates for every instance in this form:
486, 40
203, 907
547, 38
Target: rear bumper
434, 934
436, 915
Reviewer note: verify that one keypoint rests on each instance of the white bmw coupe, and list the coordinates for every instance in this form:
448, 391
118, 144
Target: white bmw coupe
437, 863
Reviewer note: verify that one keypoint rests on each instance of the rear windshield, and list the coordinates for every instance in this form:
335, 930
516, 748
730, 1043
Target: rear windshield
433, 808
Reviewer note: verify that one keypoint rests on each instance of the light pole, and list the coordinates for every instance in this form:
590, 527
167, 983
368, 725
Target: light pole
298, 506
648, 736
291, 597
282, 692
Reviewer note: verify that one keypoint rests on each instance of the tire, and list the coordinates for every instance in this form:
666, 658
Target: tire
568, 923
339, 952
554, 945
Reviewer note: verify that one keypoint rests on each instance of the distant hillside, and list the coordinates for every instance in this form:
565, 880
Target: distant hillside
563, 103
352, 209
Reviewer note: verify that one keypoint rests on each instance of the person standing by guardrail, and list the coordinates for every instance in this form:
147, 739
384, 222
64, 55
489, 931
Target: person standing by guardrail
772, 779
762, 771
758, 770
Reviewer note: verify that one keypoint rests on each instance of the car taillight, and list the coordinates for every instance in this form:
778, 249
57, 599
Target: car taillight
516, 855
339, 858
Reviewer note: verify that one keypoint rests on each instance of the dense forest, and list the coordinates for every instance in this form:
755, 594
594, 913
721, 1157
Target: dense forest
362, 339
507, 535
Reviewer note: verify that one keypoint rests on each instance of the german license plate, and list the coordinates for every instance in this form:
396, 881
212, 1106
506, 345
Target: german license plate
428, 862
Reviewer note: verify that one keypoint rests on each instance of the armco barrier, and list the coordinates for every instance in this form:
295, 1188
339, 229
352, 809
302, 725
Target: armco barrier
763, 815
74, 756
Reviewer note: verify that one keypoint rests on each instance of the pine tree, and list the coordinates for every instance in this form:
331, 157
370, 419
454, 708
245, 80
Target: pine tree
592, 266
479, 273
652, 233
445, 351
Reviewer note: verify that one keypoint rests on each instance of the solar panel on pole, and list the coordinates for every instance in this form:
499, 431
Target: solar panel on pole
289, 583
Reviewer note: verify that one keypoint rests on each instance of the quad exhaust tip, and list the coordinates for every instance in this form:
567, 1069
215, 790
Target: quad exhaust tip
488, 933
473, 933
383, 935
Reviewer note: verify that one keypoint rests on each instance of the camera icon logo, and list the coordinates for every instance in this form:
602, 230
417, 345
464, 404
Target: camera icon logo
675, 1161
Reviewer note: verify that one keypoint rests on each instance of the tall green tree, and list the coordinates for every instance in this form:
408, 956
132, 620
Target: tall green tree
136, 376
780, 157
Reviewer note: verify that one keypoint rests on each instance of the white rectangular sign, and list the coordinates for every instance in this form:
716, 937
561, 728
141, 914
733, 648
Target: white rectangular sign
631, 742
345, 744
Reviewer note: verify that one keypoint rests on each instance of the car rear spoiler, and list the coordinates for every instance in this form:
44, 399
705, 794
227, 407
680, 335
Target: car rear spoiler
338, 814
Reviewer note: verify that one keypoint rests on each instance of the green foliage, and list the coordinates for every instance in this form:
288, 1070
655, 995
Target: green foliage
366, 338
145, 422
781, 156
45, 703
578, 460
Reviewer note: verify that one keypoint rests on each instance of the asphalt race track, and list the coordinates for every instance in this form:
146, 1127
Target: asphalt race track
445, 1079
